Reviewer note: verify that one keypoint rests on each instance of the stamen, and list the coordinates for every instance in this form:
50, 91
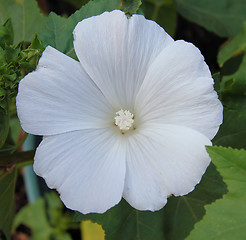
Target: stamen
124, 120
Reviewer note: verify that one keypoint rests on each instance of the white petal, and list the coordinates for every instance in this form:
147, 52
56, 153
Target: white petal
59, 97
163, 160
86, 167
116, 53
178, 89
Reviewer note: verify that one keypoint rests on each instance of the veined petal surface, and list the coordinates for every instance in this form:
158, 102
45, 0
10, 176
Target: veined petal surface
60, 97
87, 168
178, 89
163, 160
116, 53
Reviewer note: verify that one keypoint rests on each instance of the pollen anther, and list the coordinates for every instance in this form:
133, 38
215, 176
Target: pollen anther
124, 119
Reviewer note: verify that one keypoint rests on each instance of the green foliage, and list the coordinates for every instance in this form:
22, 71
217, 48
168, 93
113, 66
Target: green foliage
6, 33
236, 82
226, 219
123, 222
175, 221
182, 213
58, 31
235, 46
130, 6
46, 218
26, 17
15, 62
7, 204
163, 12
232, 59
223, 17
15, 128
233, 130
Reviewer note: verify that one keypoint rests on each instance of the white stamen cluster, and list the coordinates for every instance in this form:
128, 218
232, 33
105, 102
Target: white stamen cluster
124, 120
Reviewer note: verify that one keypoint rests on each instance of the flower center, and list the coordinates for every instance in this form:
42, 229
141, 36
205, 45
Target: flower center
124, 119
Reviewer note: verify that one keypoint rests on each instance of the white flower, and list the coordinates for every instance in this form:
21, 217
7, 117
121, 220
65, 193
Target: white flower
130, 120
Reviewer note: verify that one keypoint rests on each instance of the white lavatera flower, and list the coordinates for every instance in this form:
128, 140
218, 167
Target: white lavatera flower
131, 119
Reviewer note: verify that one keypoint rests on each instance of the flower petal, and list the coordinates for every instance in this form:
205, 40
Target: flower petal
86, 167
163, 160
116, 53
59, 97
178, 89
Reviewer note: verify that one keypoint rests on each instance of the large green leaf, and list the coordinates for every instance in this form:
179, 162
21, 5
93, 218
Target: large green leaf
223, 17
182, 213
7, 204
226, 218
26, 18
163, 12
123, 222
58, 31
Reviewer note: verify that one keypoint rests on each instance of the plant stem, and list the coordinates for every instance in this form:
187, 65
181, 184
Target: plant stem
19, 144
17, 158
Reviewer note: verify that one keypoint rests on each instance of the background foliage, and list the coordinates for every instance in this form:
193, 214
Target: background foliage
215, 209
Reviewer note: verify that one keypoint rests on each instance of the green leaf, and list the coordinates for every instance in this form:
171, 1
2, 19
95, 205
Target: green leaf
130, 6
232, 132
236, 82
232, 57
216, 77
233, 47
123, 222
4, 125
58, 31
223, 17
233, 92
45, 218
36, 44
26, 18
181, 213
226, 218
11, 54
15, 128
7, 204
6, 33
163, 12
34, 52
2, 60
